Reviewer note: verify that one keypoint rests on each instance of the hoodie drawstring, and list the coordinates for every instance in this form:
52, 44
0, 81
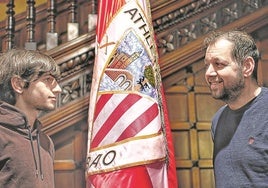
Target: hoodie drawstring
39, 155
38, 150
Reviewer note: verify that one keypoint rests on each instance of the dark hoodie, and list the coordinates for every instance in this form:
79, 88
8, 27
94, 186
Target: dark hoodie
26, 154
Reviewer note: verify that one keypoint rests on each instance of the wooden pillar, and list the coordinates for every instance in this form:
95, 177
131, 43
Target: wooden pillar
73, 26
52, 35
92, 16
30, 26
10, 29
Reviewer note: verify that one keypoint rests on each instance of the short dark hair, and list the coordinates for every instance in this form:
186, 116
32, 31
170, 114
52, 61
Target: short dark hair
26, 64
243, 46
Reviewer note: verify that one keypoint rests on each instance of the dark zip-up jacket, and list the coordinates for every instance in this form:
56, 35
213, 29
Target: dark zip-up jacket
26, 153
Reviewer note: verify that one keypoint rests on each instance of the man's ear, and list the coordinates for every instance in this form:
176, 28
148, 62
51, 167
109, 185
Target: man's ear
249, 65
17, 84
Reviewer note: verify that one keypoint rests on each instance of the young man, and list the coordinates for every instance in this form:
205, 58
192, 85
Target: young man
240, 128
28, 85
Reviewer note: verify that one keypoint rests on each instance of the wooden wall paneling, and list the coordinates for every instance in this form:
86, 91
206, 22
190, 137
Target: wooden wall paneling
80, 145
263, 72
70, 146
193, 131
262, 42
178, 114
64, 158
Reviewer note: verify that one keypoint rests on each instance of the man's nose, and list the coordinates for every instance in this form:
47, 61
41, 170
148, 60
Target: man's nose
57, 88
210, 71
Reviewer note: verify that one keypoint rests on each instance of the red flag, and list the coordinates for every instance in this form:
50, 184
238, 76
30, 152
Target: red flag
129, 139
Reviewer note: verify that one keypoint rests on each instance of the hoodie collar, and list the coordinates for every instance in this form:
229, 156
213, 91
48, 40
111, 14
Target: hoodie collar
13, 118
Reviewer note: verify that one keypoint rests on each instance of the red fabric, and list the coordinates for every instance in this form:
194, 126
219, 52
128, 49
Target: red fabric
172, 176
128, 178
107, 10
134, 176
